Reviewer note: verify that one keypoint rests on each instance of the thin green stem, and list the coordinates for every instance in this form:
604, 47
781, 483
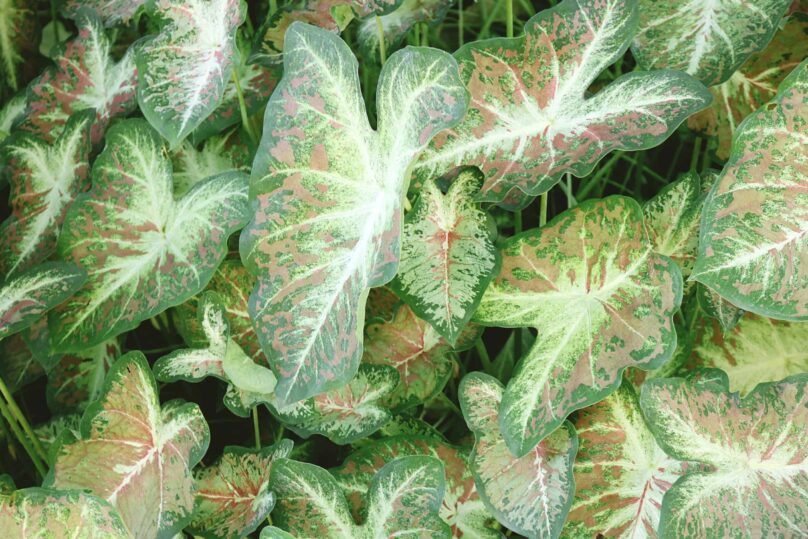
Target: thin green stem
571, 202
694, 158
460, 24
273, 7
424, 34
485, 359
24, 441
245, 117
509, 18
543, 209
55, 21
256, 427
595, 180
382, 44
17, 413
517, 222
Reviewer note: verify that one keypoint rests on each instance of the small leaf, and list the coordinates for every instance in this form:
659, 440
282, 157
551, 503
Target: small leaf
78, 379
219, 153
753, 249
328, 208
19, 367
134, 454
56, 429
600, 299
532, 494
755, 446
182, 72
144, 250
234, 495
708, 40
111, 12
397, 23
12, 111
717, 307
18, 23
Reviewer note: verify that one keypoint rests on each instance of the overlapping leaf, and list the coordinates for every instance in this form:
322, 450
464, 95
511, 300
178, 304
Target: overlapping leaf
328, 193
403, 499
531, 494
234, 494
111, 12
134, 454
717, 307
753, 248
143, 250
757, 448
219, 153
601, 300
182, 72
621, 474
78, 379
19, 366
447, 255
709, 40
529, 121
17, 32
11, 111
397, 23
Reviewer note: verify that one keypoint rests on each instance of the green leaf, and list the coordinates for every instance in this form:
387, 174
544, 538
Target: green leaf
621, 473
111, 12
18, 24
708, 40
57, 429
28, 296
601, 300
183, 71
462, 508
12, 111
328, 192
77, 379
531, 494
19, 366
234, 495
529, 120
45, 178
134, 454
755, 446
403, 499
40, 512
397, 23
348, 413
144, 250
717, 307
219, 153
753, 248
447, 255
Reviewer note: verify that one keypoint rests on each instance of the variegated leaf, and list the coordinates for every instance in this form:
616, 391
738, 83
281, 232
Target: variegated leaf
12, 111
529, 121
328, 192
601, 300
753, 84
621, 473
34, 513
403, 499
753, 248
756, 447
397, 23
531, 494
18, 23
29, 295
134, 454
84, 76
182, 72
462, 508
78, 379
447, 255
709, 40
219, 153
45, 178
234, 494
717, 307
143, 250
58, 428
348, 413
110, 12
249, 384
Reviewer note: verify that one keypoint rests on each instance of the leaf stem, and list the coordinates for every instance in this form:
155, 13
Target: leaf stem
543, 209
485, 359
460, 23
509, 18
694, 159
22, 438
17, 413
382, 44
245, 118
256, 427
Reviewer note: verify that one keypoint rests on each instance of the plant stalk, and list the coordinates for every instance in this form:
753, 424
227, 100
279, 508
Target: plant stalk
382, 44
23, 439
245, 117
20, 417
256, 427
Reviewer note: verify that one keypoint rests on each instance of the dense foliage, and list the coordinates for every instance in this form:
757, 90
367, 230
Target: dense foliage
486, 268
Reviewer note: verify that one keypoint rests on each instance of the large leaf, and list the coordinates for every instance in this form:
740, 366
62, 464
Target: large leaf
182, 72
621, 473
531, 494
709, 40
29, 295
84, 76
529, 120
447, 255
78, 379
601, 300
143, 250
328, 192
111, 12
462, 507
234, 494
753, 249
397, 23
134, 454
757, 448
45, 177
348, 413
403, 499
34, 513
17, 32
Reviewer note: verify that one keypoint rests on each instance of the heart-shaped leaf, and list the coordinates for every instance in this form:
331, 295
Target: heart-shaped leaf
757, 448
621, 473
753, 249
403, 499
397, 23
18, 22
532, 494
78, 379
529, 120
233, 495
144, 250
111, 12
134, 454
727, 314
45, 177
601, 300
447, 255
709, 40
328, 208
